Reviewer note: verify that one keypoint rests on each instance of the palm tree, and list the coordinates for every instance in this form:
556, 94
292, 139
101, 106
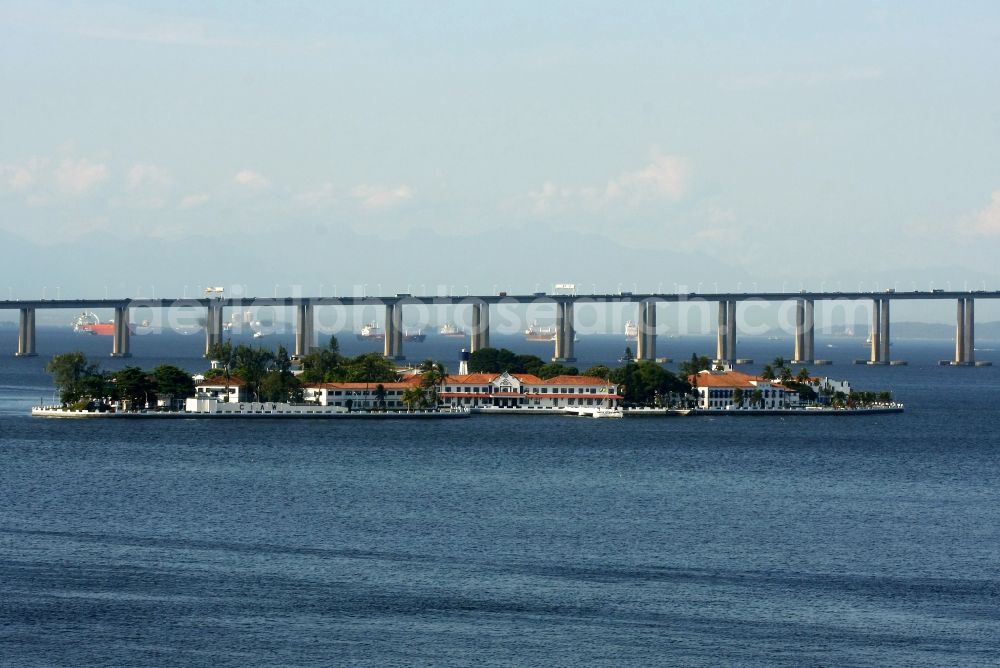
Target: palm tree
767, 373
432, 376
786, 374
803, 375
411, 396
380, 396
779, 362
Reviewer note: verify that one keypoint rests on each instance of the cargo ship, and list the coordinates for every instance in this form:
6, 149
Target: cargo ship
538, 333
449, 329
371, 332
414, 337
631, 331
89, 323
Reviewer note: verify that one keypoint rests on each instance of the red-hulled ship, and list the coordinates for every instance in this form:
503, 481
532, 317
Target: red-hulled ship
89, 323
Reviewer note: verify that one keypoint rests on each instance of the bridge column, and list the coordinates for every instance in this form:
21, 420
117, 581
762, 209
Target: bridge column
960, 332
480, 335
569, 333
731, 330
120, 342
970, 331
560, 339
884, 353
646, 331
640, 332
722, 330
26, 334
798, 356
213, 326
397, 322
809, 349
876, 333
304, 340
393, 344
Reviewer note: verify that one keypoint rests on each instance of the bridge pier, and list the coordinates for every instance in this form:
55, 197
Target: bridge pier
876, 334
805, 327
646, 331
26, 334
304, 334
725, 344
965, 334
884, 340
480, 335
213, 326
393, 345
119, 341
565, 333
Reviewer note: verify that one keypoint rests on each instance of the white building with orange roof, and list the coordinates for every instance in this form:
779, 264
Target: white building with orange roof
718, 390
359, 396
488, 392
231, 390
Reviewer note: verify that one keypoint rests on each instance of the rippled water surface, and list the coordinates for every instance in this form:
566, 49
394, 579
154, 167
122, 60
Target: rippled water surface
507, 541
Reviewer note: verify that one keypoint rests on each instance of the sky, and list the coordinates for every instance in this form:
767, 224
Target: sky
156, 147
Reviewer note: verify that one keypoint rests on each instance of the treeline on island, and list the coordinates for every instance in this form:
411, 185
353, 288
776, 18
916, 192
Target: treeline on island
643, 382
82, 384
268, 376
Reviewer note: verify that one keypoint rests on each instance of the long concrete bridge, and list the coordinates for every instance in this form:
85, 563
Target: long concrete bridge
646, 314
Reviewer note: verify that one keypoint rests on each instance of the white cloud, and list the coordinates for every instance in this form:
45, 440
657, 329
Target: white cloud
193, 201
76, 176
314, 199
374, 197
987, 221
142, 176
664, 178
22, 176
251, 179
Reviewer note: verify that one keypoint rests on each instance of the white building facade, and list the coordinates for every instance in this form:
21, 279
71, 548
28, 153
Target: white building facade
526, 391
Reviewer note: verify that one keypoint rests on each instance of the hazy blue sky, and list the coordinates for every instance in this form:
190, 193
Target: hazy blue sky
431, 143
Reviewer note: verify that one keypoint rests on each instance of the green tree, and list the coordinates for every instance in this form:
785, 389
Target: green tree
371, 368
172, 383
767, 373
133, 386
432, 376
323, 364
803, 375
756, 398
553, 369
279, 384
779, 362
221, 352
494, 360
598, 371
71, 374
380, 396
252, 364
785, 374
412, 396
738, 397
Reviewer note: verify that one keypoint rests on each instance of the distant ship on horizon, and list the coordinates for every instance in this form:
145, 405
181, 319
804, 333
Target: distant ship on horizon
88, 323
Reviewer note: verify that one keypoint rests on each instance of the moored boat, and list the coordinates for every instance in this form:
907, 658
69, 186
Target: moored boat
371, 332
88, 323
449, 329
536, 332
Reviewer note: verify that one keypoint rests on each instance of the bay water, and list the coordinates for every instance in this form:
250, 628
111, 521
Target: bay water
699, 541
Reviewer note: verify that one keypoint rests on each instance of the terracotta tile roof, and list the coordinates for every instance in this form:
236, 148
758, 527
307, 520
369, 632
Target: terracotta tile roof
723, 379
234, 381
471, 378
577, 380
414, 382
